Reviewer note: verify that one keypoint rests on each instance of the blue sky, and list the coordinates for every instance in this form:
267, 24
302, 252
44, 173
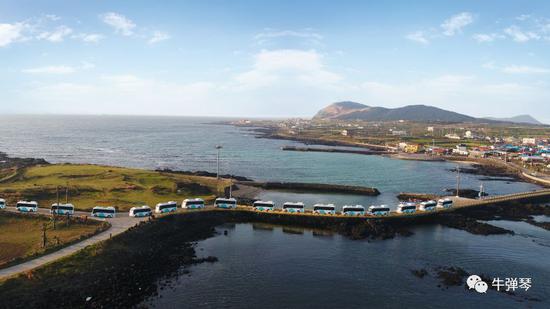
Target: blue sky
273, 58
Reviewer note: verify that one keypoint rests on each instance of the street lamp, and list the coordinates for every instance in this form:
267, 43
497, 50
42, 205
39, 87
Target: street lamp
218, 147
457, 181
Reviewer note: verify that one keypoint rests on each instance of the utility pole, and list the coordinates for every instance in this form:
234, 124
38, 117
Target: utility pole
457, 181
481, 191
218, 147
67, 193
44, 240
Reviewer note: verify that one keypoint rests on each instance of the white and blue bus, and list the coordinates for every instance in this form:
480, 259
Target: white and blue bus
356, 210
26, 206
445, 203
167, 207
324, 209
62, 209
263, 206
193, 203
427, 206
140, 212
381, 210
406, 208
226, 203
2, 203
104, 212
293, 207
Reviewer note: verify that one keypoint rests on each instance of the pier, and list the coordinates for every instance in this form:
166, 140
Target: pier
334, 150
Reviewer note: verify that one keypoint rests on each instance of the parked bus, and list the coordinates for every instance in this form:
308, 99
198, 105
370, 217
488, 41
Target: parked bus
193, 203
225, 203
104, 212
162, 208
263, 206
406, 208
141, 211
427, 206
2, 203
381, 210
62, 209
293, 207
324, 209
445, 203
356, 210
26, 206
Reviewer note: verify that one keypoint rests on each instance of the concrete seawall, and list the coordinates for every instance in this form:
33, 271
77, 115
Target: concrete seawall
311, 187
334, 150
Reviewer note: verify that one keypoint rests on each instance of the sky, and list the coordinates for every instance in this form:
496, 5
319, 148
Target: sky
273, 58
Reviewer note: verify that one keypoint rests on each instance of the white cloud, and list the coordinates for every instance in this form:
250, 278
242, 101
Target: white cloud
85, 65
455, 24
158, 36
519, 35
418, 36
523, 17
57, 35
89, 37
120, 23
523, 69
287, 66
288, 33
52, 17
10, 33
485, 38
61, 69
465, 94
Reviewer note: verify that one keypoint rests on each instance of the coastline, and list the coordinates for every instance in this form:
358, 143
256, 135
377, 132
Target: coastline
491, 166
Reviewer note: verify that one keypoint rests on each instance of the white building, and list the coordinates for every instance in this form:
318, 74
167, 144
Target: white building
344, 132
452, 136
529, 141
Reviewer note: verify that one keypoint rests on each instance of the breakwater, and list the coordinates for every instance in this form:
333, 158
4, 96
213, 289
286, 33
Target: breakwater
336, 150
311, 187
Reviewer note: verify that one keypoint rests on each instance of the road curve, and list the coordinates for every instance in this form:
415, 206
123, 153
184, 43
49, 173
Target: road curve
118, 225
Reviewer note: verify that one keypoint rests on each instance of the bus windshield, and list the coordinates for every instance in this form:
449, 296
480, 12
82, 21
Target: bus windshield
195, 203
103, 210
263, 205
62, 207
323, 208
26, 205
141, 210
293, 206
353, 209
164, 206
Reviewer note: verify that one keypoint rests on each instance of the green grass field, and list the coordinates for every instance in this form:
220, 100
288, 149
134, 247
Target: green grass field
92, 185
21, 235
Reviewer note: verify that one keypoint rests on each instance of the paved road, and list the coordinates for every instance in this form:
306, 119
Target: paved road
118, 225
124, 222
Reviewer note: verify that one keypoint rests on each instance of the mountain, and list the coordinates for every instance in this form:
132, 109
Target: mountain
518, 119
357, 111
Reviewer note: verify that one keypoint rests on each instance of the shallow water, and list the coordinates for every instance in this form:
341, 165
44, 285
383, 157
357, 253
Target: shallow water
278, 268
186, 143
275, 267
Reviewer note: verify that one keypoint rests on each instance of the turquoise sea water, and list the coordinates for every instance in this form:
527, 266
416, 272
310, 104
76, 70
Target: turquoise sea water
274, 267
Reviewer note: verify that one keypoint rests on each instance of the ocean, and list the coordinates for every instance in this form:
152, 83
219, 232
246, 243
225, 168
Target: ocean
273, 267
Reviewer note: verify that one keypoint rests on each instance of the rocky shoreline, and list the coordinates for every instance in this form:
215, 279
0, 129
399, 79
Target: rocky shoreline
128, 266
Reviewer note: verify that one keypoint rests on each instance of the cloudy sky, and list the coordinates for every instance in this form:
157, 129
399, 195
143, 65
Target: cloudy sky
273, 58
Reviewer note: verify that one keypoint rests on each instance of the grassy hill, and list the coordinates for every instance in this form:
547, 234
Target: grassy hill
92, 185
